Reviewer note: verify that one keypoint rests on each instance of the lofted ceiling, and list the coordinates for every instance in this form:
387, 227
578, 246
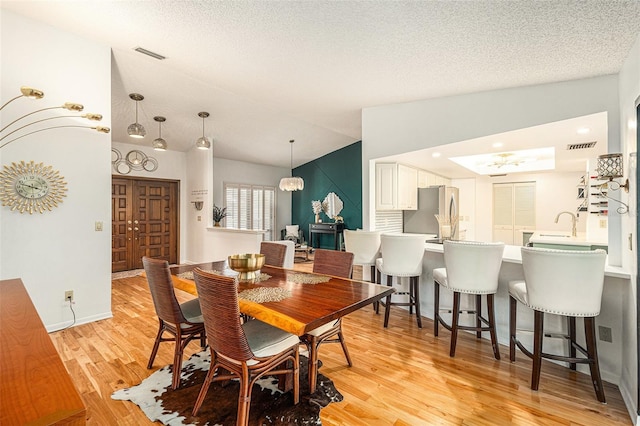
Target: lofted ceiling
271, 71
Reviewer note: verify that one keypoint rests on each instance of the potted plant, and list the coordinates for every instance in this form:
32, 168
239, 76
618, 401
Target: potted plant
219, 213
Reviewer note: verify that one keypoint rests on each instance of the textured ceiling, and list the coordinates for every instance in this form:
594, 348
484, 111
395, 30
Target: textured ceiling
270, 71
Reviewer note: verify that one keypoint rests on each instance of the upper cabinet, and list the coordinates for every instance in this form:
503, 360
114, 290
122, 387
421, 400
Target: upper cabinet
427, 179
396, 187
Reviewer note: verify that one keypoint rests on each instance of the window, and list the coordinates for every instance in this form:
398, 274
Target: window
251, 207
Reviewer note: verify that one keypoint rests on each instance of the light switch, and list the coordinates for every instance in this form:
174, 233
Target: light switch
199, 218
98, 226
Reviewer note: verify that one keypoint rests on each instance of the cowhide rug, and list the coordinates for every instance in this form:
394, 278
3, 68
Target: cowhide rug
269, 406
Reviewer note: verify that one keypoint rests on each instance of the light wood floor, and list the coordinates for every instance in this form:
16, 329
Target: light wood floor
401, 375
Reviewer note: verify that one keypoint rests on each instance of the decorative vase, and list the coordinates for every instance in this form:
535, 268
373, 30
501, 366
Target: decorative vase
216, 224
318, 218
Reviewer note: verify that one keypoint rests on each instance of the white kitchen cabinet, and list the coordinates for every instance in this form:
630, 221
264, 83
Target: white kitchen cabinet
396, 187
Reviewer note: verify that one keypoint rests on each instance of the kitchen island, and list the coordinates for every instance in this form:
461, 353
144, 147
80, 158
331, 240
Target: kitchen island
614, 313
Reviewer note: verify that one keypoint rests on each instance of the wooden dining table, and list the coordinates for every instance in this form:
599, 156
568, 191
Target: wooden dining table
309, 305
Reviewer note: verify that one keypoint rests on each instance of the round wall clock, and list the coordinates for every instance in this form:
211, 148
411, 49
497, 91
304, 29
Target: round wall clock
30, 187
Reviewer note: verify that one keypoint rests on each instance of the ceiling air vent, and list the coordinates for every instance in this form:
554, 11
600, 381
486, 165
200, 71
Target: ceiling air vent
149, 53
585, 145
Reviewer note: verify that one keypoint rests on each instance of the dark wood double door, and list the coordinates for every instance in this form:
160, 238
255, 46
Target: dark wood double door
144, 221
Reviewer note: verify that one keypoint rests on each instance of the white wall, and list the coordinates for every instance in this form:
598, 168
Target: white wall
59, 250
629, 90
400, 128
200, 178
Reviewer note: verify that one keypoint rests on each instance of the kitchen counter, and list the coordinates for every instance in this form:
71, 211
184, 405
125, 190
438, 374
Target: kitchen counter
564, 238
512, 254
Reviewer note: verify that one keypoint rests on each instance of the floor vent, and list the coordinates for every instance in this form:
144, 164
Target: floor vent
585, 145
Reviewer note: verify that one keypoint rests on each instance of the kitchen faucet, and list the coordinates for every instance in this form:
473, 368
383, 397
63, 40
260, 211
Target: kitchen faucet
573, 222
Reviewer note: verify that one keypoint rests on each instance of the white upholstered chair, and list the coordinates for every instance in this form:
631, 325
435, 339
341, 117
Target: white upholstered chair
401, 257
365, 246
470, 268
566, 283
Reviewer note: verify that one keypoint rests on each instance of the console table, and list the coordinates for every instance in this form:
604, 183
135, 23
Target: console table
35, 388
335, 229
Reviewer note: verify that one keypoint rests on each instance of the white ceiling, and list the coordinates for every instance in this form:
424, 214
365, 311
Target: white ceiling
270, 71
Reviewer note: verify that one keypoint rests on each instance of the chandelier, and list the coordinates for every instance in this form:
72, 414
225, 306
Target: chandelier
291, 183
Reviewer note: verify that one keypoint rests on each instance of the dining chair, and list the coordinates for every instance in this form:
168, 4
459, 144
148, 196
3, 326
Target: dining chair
470, 268
274, 253
183, 321
338, 264
567, 283
245, 351
401, 256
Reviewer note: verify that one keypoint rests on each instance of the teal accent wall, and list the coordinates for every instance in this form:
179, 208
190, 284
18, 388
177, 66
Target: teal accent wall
339, 172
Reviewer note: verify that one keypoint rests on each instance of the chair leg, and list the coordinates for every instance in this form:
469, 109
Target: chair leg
492, 326
388, 302
205, 385
412, 296
177, 361
513, 309
592, 354
313, 363
538, 334
344, 348
372, 279
376, 305
436, 307
244, 400
572, 338
478, 315
156, 345
454, 323
415, 284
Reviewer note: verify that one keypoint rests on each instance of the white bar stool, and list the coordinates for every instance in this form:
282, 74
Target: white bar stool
365, 246
470, 268
561, 282
402, 257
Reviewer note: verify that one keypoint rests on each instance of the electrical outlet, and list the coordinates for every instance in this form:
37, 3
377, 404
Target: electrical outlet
603, 223
98, 226
605, 334
68, 295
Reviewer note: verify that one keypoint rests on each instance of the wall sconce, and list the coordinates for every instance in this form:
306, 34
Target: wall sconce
610, 167
198, 205
31, 93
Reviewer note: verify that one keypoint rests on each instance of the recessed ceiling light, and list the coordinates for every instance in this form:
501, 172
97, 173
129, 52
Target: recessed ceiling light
436, 155
583, 130
497, 145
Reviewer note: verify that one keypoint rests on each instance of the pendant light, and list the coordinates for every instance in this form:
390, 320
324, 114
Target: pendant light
159, 144
203, 142
291, 183
136, 130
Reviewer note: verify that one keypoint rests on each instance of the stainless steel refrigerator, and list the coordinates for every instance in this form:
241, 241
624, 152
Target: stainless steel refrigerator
435, 200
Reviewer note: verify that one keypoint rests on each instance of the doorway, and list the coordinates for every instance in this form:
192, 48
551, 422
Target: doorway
144, 221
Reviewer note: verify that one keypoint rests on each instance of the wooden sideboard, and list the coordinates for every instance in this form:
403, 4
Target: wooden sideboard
35, 387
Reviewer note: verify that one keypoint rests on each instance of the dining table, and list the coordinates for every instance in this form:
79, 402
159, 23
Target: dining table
311, 299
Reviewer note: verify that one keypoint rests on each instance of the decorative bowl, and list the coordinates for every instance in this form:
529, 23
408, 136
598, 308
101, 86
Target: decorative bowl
247, 265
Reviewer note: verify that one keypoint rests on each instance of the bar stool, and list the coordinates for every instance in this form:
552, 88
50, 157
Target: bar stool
470, 268
365, 246
401, 257
560, 282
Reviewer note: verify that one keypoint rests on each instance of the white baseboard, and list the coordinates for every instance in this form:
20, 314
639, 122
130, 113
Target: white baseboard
59, 326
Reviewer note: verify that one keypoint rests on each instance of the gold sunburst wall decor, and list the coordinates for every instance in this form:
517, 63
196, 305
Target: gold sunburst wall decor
31, 187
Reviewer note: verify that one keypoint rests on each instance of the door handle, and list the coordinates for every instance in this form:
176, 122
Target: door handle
129, 228
135, 221
128, 222
135, 229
